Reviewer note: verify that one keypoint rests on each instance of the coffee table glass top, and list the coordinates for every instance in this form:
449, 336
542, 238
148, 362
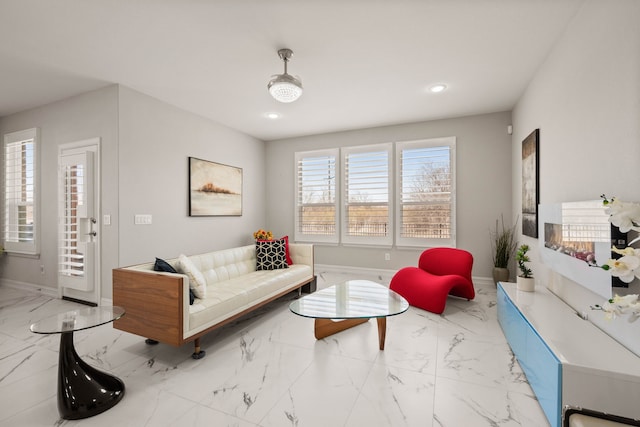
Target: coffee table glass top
353, 299
76, 320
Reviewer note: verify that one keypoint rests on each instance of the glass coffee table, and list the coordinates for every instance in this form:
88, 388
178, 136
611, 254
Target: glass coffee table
83, 391
348, 304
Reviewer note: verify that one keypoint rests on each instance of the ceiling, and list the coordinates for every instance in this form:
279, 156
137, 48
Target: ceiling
363, 63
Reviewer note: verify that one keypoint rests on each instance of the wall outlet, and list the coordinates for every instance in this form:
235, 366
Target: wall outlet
387, 256
41, 268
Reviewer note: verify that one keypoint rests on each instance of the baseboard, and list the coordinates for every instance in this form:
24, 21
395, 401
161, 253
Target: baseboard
484, 281
384, 275
50, 292
46, 291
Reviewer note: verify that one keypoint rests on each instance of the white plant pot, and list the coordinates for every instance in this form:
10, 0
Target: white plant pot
526, 284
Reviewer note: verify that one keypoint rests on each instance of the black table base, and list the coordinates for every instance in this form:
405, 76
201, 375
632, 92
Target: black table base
83, 391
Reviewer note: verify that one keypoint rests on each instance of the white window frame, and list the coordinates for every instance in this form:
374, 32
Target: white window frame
12, 202
299, 234
425, 143
386, 240
393, 237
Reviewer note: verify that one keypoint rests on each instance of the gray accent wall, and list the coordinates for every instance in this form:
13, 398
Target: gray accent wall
93, 114
145, 144
483, 166
156, 140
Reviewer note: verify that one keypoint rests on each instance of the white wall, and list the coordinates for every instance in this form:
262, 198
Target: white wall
483, 185
93, 114
156, 140
586, 101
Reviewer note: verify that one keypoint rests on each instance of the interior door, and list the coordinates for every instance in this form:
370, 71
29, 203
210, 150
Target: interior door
78, 240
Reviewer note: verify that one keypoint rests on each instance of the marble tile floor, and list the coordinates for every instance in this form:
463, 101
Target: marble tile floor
268, 370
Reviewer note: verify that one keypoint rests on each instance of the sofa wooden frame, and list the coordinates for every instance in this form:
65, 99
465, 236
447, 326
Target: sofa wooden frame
154, 307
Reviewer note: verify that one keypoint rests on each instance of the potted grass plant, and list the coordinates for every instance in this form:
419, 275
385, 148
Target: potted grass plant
525, 280
503, 245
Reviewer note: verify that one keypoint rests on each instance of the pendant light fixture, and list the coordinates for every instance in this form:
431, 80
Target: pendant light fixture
285, 87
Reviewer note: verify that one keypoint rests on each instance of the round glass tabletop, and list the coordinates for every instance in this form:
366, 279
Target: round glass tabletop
353, 299
77, 320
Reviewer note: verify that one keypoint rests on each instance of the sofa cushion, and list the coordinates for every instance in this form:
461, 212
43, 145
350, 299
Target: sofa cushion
164, 266
238, 294
271, 255
226, 264
196, 279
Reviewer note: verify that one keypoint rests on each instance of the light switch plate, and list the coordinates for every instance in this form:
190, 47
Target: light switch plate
142, 219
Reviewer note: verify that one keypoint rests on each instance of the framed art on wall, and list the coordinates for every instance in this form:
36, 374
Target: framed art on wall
214, 189
530, 184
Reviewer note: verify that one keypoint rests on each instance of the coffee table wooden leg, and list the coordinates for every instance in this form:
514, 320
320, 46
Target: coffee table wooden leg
326, 327
382, 331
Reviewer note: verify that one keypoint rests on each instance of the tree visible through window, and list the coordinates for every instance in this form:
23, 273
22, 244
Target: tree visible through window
427, 189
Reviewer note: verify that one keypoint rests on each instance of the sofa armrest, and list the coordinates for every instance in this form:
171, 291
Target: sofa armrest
154, 304
301, 253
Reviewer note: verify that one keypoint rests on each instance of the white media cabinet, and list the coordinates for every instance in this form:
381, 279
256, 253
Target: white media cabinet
568, 361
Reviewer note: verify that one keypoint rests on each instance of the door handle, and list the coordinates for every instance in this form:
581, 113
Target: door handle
93, 233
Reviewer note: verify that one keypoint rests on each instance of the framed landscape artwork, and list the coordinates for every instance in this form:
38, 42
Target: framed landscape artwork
530, 184
214, 189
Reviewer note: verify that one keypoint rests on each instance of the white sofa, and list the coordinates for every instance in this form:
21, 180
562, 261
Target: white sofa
157, 303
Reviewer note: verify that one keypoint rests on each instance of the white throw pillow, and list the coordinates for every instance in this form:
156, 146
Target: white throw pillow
197, 283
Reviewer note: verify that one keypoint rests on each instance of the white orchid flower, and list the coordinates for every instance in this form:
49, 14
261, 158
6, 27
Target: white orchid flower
624, 267
611, 310
626, 300
624, 215
626, 251
619, 305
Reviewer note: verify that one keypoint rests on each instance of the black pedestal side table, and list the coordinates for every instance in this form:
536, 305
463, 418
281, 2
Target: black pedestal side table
83, 391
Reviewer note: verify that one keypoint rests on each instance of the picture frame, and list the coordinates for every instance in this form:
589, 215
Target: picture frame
530, 183
215, 189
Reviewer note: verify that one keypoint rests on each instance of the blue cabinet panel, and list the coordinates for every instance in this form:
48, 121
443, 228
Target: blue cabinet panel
543, 372
540, 365
510, 321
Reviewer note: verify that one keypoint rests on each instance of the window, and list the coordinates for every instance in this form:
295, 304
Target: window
20, 231
426, 193
316, 216
366, 213
384, 196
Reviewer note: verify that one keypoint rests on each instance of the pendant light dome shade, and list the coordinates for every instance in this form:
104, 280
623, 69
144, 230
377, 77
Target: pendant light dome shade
285, 87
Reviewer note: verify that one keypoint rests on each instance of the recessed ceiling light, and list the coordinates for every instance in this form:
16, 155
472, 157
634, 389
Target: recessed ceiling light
272, 116
438, 88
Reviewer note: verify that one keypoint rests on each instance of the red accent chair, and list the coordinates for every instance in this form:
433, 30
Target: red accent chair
441, 272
